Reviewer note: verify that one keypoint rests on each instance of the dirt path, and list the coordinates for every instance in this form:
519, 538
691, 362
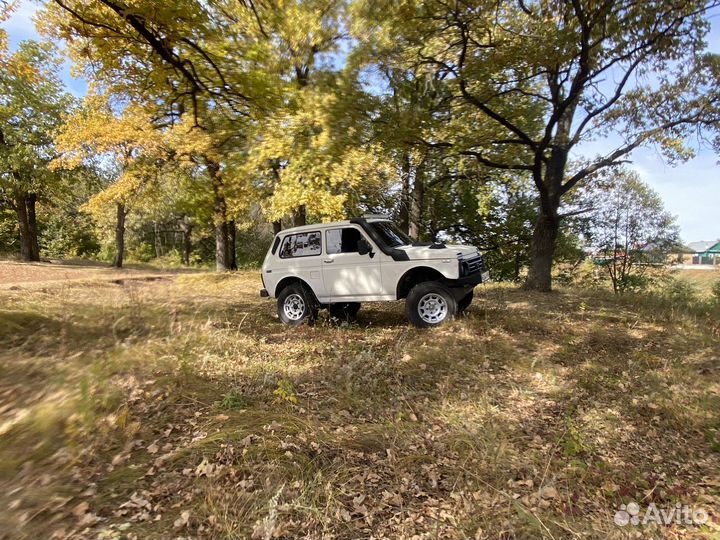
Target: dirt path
20, 274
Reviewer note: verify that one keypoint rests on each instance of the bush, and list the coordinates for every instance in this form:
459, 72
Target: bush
634, 283
68, 234
586, 275
716, 293
142, 252
681, 293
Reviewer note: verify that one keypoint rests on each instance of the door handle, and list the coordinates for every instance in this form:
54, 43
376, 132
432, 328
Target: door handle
328, 260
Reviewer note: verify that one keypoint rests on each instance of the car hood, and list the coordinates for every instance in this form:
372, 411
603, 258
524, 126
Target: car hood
450, 251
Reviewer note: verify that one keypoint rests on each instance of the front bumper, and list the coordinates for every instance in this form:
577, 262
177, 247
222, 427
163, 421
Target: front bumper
472, 279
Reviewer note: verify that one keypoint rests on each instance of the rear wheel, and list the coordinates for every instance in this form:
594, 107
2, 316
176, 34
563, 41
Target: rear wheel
344, 311
430, 304
465, 302
296, 305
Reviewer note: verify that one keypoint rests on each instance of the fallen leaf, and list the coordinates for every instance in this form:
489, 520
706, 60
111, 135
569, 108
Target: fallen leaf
80, 509
183, 520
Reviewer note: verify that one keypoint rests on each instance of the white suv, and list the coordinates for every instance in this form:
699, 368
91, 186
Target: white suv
339, 265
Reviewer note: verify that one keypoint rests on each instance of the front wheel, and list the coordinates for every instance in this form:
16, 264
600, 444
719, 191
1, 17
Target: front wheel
296, 305
430, 304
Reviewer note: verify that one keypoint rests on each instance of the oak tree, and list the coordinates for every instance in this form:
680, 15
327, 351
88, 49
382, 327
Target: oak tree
635, 69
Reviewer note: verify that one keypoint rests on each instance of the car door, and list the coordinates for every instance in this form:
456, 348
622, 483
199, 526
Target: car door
346, 273
301, 255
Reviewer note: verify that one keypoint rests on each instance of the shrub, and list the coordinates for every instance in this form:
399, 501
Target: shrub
233, 400
285, 392
681, 293
634, 283
716, 292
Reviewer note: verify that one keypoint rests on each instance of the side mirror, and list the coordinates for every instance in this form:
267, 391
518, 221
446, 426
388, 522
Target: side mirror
364, 248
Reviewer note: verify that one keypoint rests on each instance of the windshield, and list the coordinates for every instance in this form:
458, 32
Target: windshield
390, 234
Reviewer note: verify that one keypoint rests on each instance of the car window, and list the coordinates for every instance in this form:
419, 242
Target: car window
275, 245
342, 240
301, 245
390, 234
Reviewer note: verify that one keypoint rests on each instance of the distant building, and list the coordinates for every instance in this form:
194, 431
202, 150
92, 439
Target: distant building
705, 252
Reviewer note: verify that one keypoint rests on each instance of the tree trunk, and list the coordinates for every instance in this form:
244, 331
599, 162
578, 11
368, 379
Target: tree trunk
404, 213
187, 240
547, 226
417, 201
119, 235
222, 259
300, 216
221, 247
32, 227
25, 211
277, 226
232, 247
158, 240
517, 266
539, 276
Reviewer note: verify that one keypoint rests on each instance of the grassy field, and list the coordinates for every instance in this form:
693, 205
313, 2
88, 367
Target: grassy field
702, 280
181, 407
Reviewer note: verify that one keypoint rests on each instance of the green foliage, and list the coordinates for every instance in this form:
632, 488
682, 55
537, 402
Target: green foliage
716, 292
31, 109
8, 231
204, 114
285, 392
233, 400
67, 234
573, 442
682, 294
630, 230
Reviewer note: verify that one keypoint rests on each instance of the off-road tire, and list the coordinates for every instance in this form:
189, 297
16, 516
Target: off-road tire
296, 305
344, 311
430, 304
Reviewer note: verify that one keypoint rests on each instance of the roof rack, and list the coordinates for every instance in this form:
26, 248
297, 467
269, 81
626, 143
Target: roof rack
375, 216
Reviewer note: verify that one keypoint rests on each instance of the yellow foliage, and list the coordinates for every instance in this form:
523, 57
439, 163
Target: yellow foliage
12, 65
95, 130
122, 190
313, 161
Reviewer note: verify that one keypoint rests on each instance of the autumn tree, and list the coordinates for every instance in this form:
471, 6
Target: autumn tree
632, 68
630, 227
32, 101
310, 152
428, 133
412, 111
126, 149
188, 61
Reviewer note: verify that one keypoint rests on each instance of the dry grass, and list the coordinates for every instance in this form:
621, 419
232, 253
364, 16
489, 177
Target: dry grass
182, 407
702, 279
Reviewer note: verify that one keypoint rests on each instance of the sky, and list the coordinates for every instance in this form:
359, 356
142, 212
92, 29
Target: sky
691, 190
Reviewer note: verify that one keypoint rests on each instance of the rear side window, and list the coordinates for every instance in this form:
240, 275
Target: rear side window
301, 245
342, 240
275, 245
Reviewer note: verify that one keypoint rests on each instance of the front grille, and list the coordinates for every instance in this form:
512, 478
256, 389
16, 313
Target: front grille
472, 265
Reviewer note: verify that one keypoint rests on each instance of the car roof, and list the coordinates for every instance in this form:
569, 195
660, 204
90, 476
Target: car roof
332, 224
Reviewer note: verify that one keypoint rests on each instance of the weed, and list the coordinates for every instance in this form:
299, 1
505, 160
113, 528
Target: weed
233, 400
285, 392
573, 442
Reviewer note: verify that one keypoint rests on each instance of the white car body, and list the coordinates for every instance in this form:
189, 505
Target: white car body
353, 277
